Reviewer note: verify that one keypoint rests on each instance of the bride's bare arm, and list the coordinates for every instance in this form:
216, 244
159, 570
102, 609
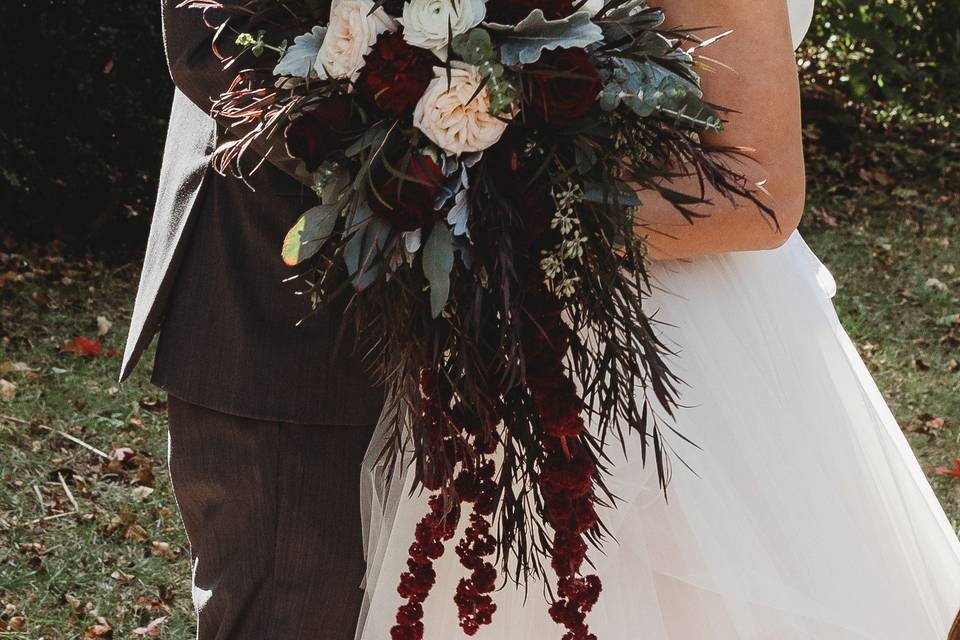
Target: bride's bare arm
761, 87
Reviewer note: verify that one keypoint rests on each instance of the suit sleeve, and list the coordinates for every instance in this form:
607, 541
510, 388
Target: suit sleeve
199, 74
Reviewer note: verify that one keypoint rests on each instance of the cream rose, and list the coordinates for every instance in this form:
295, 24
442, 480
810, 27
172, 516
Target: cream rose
427, 23
351, 34
455, 117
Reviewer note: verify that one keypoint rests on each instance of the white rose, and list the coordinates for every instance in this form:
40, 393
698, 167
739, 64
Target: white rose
427, 23
450, 118
351, 34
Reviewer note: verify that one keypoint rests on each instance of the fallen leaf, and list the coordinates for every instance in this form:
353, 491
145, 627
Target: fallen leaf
103, 326
99, 630
935, 283
925, 423
141, 492
822, 216
120, 576
163, 550
16, 367
8, 390
152, 630
122, 454
86, 347
136, 532
952, 471
16, 623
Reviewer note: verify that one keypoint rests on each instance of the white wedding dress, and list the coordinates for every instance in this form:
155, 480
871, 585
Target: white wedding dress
806, 515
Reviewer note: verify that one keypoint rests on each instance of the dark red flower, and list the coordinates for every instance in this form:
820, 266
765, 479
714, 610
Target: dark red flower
520, 185
513, 11
325, 129
395, 75
562, 85
405, 192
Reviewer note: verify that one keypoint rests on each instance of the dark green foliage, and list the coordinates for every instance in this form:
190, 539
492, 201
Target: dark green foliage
86, 94
895, 61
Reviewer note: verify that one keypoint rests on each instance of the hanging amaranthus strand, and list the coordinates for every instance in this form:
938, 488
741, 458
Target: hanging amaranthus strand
475, 606
566, 478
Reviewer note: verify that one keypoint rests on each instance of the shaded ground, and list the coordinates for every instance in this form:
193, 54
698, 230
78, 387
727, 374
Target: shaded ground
90, 544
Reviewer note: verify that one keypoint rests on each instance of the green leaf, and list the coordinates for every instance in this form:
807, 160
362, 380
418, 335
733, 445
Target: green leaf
356, 229
308, 234
371, 266
437, 265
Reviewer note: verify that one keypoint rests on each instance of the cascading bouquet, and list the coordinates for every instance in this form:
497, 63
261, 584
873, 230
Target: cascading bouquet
477, 166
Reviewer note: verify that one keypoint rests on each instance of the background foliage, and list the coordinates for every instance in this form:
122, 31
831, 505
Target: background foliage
81, 140
84, 118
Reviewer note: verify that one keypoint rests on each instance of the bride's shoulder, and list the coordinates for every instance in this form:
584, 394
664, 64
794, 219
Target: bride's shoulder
801, 15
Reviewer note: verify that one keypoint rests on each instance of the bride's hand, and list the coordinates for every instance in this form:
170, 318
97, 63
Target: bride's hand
755, 75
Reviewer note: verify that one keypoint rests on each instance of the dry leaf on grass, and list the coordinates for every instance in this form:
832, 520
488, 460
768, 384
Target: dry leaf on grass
103, 326
8, 390
152, 630
163, 550
100, 630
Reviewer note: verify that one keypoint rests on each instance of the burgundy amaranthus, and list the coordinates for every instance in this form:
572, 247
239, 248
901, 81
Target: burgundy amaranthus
475, 607
475, 485
566, 478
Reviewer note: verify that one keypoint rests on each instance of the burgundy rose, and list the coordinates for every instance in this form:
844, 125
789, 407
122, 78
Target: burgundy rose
513, 11
522, 188
562, 85
330, 126
406, 200
395, 75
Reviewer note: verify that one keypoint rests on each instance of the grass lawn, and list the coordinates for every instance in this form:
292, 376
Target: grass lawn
90, 543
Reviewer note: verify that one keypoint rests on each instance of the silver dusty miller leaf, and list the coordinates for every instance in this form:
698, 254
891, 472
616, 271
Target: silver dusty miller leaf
299, 58
524, 43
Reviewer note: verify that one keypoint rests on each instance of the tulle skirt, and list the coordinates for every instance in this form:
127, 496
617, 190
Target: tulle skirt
801, 512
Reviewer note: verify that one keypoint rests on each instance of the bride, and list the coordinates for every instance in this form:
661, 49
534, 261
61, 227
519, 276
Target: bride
800, 512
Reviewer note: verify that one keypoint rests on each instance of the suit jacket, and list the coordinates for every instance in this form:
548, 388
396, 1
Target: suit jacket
191, 196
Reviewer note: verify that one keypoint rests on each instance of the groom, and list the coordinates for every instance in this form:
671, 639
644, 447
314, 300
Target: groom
269, 421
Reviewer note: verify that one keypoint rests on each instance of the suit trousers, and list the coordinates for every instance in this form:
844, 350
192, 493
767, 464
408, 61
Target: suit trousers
272, 512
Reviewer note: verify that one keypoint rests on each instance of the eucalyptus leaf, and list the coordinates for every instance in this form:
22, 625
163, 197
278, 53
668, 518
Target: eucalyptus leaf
371, 266
299, 59
595, 193
649, 87
356, 229
437, 264
524, 43
308, 234
372, 137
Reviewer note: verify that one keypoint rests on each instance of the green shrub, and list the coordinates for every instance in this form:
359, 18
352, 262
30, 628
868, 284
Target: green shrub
889, 59
86, 94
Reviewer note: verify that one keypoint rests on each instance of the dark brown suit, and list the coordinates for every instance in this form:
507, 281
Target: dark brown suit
191, 139
267, 424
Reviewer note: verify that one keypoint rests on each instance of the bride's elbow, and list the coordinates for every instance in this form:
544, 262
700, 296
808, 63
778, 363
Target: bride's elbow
787, 211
